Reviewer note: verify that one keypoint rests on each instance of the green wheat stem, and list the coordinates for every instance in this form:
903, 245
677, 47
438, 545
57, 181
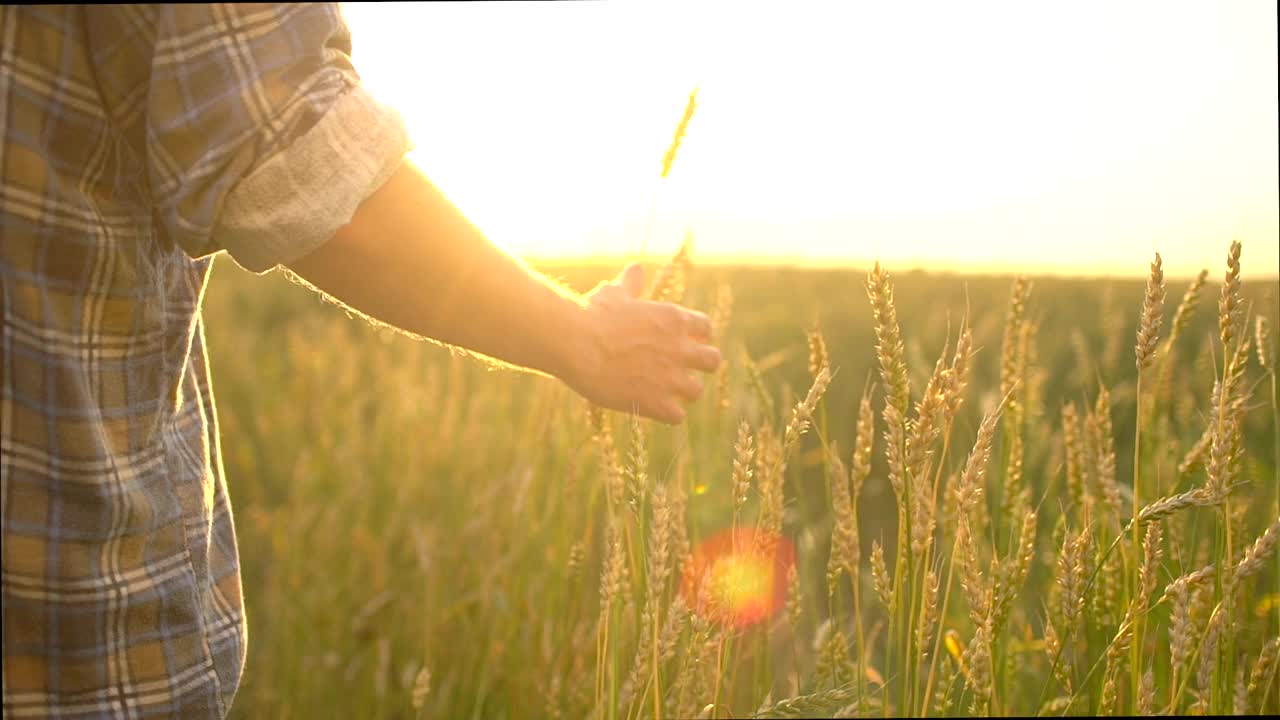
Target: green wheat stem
720, 658
613, 668
1224, 674
1275, 429
657, 678
1135, 650
937, 643
857, 621
928, 559
902, 588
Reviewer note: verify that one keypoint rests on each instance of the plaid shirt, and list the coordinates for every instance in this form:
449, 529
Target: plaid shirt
137, 142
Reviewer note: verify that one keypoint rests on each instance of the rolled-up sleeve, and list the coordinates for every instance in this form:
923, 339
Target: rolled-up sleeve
260, 139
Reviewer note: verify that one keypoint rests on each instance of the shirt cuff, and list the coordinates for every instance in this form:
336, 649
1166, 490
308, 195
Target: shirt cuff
297, 200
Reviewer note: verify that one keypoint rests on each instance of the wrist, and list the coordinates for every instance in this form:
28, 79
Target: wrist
573, 352
557, 328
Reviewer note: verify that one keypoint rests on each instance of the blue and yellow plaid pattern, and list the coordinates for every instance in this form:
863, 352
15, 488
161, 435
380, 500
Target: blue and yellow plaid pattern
124, 130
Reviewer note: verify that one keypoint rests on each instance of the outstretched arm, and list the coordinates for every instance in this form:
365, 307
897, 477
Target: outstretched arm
409, 258
315, 180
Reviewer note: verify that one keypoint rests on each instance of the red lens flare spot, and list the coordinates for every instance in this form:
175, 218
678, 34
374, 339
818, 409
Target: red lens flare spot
739, 577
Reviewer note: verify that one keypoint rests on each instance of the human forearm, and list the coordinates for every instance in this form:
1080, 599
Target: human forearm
410, 258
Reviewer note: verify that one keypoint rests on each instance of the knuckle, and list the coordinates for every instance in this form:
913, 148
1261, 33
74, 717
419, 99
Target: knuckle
687, 386
699, 324
702, 357
710, 358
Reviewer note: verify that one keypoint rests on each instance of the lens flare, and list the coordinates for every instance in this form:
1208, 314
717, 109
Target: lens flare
739, 576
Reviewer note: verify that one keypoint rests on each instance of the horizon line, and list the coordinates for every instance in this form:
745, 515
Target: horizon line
806, 263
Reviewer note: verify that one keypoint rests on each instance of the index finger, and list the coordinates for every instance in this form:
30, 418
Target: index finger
696, 325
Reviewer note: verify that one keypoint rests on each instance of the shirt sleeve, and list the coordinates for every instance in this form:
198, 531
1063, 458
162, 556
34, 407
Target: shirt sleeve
260, 139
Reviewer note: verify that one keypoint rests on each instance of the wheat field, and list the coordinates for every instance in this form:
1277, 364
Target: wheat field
904, 495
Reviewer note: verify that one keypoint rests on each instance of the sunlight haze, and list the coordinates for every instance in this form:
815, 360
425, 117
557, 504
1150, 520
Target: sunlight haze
1039, 137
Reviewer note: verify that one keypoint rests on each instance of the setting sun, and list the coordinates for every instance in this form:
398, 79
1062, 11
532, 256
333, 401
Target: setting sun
931, 135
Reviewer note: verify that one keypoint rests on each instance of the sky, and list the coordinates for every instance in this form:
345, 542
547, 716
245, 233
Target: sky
1067, 138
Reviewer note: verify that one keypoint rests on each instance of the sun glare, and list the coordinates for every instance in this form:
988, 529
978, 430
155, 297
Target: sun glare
947, 136
739, 576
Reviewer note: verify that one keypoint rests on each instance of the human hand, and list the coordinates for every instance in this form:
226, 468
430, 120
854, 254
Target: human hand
637, 354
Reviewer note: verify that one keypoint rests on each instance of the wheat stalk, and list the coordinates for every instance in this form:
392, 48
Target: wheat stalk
720, 316
421, 688
818, 359
1147, 694
668, 160
1099, 433
669, 284
1075, 464
803, 412
743, 451
1255, 556
1148, 334
1149, 323
811, 705
669, 157
1260, 343
1263, 668
1229, 303
880, 575
1181, 317
844, 533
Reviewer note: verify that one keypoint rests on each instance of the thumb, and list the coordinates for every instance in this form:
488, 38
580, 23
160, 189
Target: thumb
632, 279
